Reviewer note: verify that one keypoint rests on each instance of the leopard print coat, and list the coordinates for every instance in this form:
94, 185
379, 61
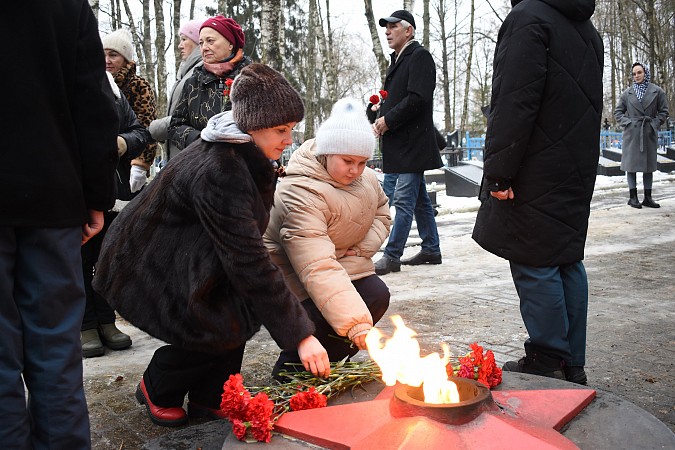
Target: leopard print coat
141, 97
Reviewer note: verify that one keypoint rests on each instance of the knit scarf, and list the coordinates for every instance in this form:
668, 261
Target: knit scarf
221, 69
641, 88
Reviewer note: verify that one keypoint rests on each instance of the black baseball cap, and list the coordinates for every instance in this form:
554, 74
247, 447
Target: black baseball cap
397, 16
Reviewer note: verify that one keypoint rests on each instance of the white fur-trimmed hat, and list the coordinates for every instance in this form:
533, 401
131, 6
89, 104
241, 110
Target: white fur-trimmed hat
120, 41
347, 131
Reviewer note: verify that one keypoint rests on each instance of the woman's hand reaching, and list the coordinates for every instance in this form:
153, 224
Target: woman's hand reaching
314, 357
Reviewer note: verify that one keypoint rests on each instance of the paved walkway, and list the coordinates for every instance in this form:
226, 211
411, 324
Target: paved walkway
630, 260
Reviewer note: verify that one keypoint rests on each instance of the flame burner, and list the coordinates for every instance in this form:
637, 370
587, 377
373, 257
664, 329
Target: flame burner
474, 398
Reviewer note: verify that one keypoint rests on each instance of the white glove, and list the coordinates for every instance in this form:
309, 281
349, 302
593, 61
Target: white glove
137, 178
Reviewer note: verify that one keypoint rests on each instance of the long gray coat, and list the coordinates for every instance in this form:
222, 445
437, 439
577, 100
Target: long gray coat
641, 123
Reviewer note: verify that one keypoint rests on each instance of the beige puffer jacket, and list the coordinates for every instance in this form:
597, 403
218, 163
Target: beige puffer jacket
313, 223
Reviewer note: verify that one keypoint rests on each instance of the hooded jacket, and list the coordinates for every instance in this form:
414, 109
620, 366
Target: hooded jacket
543, 133
209, 282
313, 223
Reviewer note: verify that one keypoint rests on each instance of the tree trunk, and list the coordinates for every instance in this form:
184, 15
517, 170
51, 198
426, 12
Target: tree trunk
310, 95
467, 83
442, 13
160, 40
326, 59
453, 123
175, 20
271, 10
377, 46
136, 36
426, 20
148, 69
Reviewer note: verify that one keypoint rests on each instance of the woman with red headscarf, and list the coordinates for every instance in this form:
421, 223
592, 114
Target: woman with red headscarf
206, 93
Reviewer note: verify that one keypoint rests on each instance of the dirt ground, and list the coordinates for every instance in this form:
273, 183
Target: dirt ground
630, 261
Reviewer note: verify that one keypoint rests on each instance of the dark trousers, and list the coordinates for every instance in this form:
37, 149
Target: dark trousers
97, 310
375, 295
41, 307
554, 306
174, 372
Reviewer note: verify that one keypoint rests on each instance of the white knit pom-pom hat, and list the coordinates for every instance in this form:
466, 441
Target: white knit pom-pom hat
347, 131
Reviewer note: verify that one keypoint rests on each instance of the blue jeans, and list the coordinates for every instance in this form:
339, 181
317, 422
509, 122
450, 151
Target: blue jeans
41, 307
411, 199
554, 307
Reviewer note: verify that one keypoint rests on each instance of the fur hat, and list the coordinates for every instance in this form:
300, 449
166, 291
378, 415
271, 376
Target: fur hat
346, 132
120, 41
228, 27
190, 30
263, 98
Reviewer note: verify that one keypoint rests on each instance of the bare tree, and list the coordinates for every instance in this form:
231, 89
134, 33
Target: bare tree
440, 8
467, 81
327, 59
160, 49
425, 21
310, 104
175, 22
377, 46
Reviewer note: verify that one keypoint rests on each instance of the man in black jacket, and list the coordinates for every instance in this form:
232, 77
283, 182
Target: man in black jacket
405, 122
541, 156
59, 150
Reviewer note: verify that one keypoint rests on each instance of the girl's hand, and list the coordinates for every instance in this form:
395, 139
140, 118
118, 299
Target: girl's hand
314, 357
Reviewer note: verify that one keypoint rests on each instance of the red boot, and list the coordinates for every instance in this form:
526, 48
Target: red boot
166, 417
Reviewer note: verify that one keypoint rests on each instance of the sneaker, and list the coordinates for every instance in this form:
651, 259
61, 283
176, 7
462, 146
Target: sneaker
166, 417
423, 258
576, 374
386, 265
91, 343
113, 338
537, 364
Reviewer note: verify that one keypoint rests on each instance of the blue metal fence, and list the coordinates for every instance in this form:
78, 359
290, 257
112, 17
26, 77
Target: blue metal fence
473, 147
615, 139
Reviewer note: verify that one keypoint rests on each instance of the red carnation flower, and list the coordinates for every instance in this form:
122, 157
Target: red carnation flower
310, 399
239, 429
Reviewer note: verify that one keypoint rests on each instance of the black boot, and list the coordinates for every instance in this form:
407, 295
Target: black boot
648, 202
536, 362
634, 202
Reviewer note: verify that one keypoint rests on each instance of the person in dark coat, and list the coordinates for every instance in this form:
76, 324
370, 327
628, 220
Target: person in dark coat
98, 324
641, 111
541, 155
404, 120
209, 283
59, 150
206, 92
119, 51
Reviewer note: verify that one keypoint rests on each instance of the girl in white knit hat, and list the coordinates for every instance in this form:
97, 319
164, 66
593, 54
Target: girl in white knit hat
330, 217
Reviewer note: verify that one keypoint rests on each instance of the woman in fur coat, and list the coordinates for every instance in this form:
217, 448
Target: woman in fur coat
330, 217
209, 282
